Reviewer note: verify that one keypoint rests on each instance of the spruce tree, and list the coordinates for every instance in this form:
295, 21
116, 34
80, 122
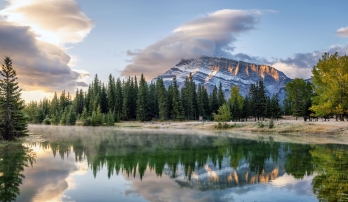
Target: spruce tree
221, 97
111, 94
162, 99
142, 101
13, 122
119, 97
177, 111
213, 100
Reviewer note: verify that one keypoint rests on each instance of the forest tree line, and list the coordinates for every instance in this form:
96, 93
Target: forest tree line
128, 100
326, 96
104, 104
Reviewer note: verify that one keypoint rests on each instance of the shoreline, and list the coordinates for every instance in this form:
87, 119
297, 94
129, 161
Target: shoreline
283, 131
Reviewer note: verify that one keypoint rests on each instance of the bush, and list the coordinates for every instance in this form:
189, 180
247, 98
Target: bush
260, 124
271, 123
222, 126
47, 121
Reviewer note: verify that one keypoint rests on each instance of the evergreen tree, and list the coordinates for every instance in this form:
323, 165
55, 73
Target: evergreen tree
110, 119
142, 100
152, 102
245, 113
119, 97
13, 122
213, 100
221, 97
111, 94
54, 104
126, 100
177, 111
71, 116
162, 99
235, 103
189, 98
103, 100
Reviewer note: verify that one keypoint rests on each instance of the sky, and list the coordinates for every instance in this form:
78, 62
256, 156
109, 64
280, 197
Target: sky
61, 45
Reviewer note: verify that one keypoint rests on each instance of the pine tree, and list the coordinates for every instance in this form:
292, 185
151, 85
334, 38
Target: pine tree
189, 98
13, 122
119, 97
221, 97
142, 100
162, 99
152, 102
111, 94
245, 108
177, 111
103, 100
213, 100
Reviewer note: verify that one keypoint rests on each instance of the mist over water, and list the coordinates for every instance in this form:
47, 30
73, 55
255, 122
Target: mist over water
108, 164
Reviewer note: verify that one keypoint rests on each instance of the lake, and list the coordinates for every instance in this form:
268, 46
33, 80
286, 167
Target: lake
108, 164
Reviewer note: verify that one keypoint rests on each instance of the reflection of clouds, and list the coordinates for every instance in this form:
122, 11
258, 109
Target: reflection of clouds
155, 188
283, 188
49, 177
303, 187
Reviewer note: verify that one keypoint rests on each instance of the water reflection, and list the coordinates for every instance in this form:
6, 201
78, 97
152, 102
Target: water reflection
166, 166
331, 162
13, 158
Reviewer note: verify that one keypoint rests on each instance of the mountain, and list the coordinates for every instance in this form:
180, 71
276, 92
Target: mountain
210, 71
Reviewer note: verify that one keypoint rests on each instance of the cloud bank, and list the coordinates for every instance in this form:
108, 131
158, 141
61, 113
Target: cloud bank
34, 32
342, 32
300, 65
211, 35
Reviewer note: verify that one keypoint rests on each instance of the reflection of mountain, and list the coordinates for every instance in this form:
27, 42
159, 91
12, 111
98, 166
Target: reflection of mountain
200, 162
212, 176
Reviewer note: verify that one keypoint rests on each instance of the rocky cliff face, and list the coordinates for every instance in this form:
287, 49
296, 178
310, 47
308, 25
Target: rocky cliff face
210, 71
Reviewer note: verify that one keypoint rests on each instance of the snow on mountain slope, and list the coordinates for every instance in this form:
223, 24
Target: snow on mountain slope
210, 71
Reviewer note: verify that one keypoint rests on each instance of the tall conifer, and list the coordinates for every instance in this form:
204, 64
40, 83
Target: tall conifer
13, 122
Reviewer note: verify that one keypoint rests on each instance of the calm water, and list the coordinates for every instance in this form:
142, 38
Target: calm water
103, 164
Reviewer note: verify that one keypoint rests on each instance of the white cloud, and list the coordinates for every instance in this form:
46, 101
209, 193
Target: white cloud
300, 65
211, 35
53, 21
34, 33
342, 32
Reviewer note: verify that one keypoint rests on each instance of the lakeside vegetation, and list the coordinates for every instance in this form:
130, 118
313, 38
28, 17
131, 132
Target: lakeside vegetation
129, 100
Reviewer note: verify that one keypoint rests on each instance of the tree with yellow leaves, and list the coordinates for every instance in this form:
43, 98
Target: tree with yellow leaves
330, 78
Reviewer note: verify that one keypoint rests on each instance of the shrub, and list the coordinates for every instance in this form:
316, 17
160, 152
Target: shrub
47, 121
260, 124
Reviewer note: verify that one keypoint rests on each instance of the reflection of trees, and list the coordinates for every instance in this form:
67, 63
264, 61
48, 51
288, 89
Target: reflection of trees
299, 161
331, 162
13, 158
133, 153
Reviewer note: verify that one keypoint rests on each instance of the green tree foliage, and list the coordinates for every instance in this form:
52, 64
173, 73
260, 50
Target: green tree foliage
142, 100
330, 78
203, 106
235, 103
189, 98
213, 100
299, 94
221, 97
177, 111
162, 99
127, 101
14, 158
223, 115
257, 100
13, 122
331, 165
